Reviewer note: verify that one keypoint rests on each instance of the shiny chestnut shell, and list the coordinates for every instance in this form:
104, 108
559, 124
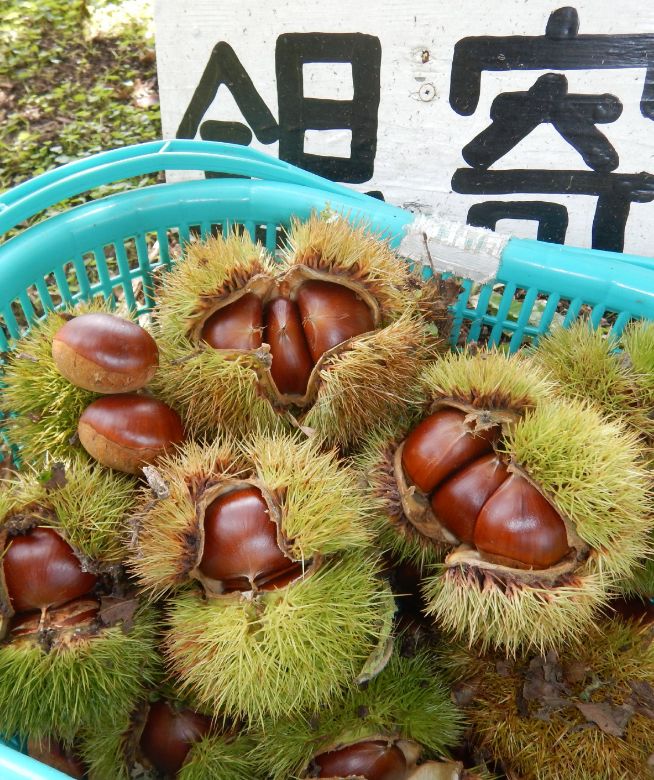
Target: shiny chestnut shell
459, 500
169, 734
238, 325
291, 360
52, 753
41, 570
127, 432
519, 524
104, 353
240, 542
440, 445
374, 760
331, 313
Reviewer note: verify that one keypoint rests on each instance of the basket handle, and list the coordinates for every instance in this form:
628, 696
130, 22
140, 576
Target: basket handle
83, 175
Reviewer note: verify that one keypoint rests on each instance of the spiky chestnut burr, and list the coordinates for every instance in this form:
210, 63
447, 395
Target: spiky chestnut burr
587, 364
105, 353
248, 343
288, 603
542, 504
398, 720
165, 737
72, 640
42, 407
580, 714
505, 387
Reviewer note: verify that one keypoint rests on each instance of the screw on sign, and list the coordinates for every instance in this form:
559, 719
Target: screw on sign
575, 117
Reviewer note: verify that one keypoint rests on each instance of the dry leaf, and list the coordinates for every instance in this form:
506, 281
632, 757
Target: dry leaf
609, 718
113, 611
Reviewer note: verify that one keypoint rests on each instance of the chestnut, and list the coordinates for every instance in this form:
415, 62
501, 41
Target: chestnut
169, 734
105, 354
331, 314
127, 432
458, 500
238, 325
240, 543
519, 524
41, 570
374, 760
291, 359
52, 753
440, 445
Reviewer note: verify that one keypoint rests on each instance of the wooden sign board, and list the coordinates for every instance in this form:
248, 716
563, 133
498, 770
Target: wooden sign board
525, 117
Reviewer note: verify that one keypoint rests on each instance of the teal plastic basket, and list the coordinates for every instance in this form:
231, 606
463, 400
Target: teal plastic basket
113, 246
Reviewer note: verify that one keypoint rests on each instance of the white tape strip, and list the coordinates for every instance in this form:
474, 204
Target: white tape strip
470, 252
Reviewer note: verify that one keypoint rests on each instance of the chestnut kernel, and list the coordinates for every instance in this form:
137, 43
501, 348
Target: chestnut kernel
374, 760
74, 613
237, 325
440, 445
331, 313
291, 360
41, 570
126, 432
517, 523
52, 753
169, 734
105, 354
240, 543
458, 500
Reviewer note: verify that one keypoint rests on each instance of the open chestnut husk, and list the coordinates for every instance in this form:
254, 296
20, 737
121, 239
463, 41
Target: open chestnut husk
104, 353
75, 644
127, 432
534, 514
385, 730
249, 343
288, 602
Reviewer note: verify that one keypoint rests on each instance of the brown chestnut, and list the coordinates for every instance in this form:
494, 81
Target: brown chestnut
52, 753
41, 570
518, 524
440, 445
237, 325
240, 543
105, 354
169, 734
291, 359
126, 432
331, 313
374, 760
458, 500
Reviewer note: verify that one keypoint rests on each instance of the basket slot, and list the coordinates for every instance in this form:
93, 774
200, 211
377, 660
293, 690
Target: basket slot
621, 323
11, 326
4, 339
167, 239
131, 252
502, 314
596, 315
104, 286
459, 311
524, 318
479, 312
44, 293
573, 312
126, 275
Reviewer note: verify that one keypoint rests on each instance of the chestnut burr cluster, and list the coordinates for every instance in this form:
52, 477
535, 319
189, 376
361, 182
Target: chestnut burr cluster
289, 522
473, 494
320, 316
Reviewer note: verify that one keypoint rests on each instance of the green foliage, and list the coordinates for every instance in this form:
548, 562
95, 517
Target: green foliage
76, 77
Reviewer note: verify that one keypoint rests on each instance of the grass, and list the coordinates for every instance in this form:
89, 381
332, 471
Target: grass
76, 77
